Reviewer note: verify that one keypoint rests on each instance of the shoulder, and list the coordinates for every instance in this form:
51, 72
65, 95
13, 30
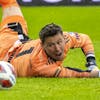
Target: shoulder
72, 34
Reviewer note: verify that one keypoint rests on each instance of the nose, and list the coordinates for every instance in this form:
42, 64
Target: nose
57, 47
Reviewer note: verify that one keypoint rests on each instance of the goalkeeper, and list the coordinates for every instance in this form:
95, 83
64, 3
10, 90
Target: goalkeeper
42, 57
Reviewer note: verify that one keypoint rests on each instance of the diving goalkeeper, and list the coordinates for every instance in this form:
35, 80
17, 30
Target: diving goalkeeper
42, 57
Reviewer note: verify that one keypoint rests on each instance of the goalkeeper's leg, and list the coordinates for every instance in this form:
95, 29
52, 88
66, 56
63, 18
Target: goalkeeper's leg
10, 8
12, 13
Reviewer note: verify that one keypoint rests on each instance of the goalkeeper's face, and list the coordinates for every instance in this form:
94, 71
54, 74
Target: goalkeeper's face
54, 47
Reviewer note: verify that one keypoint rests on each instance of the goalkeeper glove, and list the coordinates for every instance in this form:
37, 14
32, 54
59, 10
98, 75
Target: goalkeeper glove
91, 64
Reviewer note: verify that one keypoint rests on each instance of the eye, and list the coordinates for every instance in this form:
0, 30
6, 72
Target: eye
59, 42
50, 45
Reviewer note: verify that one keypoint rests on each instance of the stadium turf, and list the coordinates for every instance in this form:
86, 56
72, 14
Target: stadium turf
74, 19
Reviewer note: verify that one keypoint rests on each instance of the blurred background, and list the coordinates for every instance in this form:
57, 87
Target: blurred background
58, 2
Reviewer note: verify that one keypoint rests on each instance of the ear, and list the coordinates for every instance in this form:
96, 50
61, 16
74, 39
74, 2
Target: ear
42, 44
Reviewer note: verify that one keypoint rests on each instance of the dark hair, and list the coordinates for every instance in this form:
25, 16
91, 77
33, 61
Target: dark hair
49, 30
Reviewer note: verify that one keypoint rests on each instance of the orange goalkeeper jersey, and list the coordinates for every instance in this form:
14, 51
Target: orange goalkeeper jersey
29, 59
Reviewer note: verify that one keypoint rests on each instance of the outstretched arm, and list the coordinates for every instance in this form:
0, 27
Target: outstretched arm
65, 72
84, 42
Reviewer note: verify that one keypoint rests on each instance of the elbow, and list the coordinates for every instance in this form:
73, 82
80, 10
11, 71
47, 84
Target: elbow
87, 44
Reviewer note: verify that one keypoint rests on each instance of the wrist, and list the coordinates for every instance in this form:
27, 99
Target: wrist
93, 68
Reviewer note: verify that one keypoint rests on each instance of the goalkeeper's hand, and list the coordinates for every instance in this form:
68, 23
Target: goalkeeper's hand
93, 68
91, 64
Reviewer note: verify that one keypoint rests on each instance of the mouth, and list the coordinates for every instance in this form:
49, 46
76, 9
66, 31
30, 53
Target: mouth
58, 54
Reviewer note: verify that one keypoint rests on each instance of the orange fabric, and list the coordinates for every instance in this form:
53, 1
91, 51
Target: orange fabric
34, 62
15, 18
30, 58
8, 3
7, 34
7, 38
76, 40
71, 73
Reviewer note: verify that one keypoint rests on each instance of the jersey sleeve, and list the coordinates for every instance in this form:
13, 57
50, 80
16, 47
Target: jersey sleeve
83, 41
54, 70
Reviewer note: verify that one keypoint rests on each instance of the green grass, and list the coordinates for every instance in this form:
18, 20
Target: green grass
53, 89
78, 19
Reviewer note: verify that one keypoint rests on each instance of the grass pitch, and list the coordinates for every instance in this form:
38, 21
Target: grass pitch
74, 19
